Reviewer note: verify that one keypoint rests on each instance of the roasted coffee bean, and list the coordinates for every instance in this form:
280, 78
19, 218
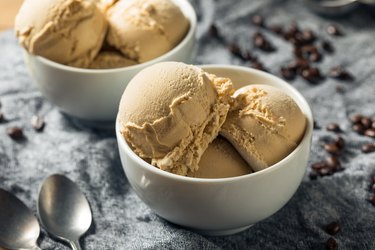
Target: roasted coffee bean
235, 49
1, 116
373, 124
258, 65
297, 51
340, 73
340, 142
356, 118
327, 46
15, 133
308, 36
318, 165
333, 162
291, 31
277, 29
315, 57
373, 179
366, 122
313, 175
332, 148
357, 127
248, 56
332, 228
334, 127
368, 148
37, 123
214, 31
258, 20
334, 30
370, 132
288, 73
300, 65
261, 42
316, 125
371, 199
331, 244
311, 74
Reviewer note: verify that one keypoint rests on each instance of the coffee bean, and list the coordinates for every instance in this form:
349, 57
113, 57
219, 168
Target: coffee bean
368, 148
288, 73
357, 127
356, 118
235, 49
1, 116
373, 179
308, 36
258, 65
277, 29
366, 122
248, 56
258, 20
299, 65
313, 175
340, 73
315, 57
291, 31
15, 133
371, 199
311, 74
327, 46
370, 132
331, 244
332, 148
334, 127
214, 31
334, 163
334, 30
262, 43
325, 171
316, 125
332, 228
340, 142
373, 124
37, 123
318, 165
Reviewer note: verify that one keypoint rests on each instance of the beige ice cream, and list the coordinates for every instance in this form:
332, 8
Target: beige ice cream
221, 160
145, 29
264, 126
109, 60
170, 112
65, 31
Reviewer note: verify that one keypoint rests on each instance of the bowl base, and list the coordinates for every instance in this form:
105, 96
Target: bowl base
89, 124
223, 232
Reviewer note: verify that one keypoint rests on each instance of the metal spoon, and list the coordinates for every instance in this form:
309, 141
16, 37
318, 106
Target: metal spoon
19, 229
64, 210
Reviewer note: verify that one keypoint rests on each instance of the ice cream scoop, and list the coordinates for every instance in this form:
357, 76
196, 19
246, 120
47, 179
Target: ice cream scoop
109, 60
65, 31
221, 160
145, 29
171, 111
264, 125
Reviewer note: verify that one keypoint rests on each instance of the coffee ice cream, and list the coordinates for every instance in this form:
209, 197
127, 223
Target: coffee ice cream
170, 112
264, 125
65, 31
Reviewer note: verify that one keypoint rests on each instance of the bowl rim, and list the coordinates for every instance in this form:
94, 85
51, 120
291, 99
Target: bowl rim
186, 8
306, 139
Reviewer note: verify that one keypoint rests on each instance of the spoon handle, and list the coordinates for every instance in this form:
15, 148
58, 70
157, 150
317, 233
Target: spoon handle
75, 244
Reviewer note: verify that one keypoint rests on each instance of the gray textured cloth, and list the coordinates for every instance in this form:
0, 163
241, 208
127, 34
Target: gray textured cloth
123, 221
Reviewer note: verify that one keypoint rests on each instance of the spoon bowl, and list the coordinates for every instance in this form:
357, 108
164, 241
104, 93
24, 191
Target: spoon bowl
19, 229
63, 209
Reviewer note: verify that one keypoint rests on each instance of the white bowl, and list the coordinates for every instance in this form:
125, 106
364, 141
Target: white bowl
226, 205
94, 95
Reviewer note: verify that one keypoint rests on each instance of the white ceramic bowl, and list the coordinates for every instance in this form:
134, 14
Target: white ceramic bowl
226, 205
94, 95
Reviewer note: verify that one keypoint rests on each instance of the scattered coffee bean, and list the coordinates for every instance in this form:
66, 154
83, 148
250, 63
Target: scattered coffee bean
277, 29
340, 73
333, 163
316, 125
327, 46
340, 142
313, 175
261, 42
15, 133
214, 31
319, 165
332, 148
288, 73
370, 132
332, 228
235, 50
366, 122
308, 36
258, 20
248, 56
291, 31
331, 244
38, 123
311, 74
358, 128
368, 148
356, 118
334, 30
334, 127
258, 65
1, 116
371, 199
373, 124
